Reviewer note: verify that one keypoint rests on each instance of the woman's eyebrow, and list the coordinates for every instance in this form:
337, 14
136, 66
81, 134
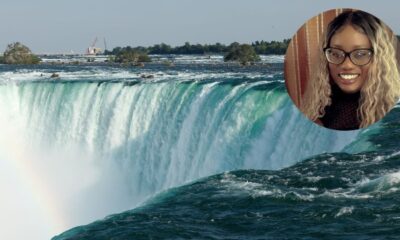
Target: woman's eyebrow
353, 47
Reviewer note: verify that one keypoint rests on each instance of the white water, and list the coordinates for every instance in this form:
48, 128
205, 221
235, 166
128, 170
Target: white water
176, 58
289, 137
98, 73
95, 149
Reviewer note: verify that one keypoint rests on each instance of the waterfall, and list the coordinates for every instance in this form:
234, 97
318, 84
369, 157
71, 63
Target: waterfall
124, 141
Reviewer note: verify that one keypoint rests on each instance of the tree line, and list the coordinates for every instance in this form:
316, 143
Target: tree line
260, 47
17, 53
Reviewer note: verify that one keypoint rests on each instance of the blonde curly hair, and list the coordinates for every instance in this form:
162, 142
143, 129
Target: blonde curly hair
382, 88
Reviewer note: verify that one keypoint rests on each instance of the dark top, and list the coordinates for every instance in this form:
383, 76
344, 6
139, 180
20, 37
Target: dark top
342, 113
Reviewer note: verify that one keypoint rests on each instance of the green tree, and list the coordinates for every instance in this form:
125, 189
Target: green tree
130, 55
242, 53
17, 53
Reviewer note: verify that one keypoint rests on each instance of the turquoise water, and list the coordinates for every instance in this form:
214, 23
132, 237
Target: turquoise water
171, 149
330, 195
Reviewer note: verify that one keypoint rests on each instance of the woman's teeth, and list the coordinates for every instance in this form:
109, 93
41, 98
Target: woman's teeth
348, 76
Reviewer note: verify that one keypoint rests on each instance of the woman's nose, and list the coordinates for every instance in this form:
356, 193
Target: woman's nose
347, 63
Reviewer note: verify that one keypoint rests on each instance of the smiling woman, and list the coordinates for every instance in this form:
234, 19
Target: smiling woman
355, 80
349, 54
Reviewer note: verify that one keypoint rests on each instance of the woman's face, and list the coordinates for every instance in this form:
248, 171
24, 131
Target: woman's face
349, 77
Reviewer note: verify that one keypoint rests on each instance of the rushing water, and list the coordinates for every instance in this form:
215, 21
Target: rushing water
170, 142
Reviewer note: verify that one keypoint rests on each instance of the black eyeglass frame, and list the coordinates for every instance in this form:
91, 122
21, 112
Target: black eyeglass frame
347, 54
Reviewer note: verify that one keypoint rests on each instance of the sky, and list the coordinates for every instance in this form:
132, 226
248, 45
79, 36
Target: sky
61, 26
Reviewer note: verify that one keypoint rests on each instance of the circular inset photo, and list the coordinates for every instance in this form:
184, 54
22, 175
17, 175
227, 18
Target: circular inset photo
341, 69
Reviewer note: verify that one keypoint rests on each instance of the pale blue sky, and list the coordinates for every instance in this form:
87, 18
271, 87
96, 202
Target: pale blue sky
62, 26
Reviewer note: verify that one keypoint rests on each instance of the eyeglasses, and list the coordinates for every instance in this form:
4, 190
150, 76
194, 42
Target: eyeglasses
359, 57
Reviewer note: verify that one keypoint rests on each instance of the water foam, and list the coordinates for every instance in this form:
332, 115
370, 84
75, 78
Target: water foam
95, 73
127, 142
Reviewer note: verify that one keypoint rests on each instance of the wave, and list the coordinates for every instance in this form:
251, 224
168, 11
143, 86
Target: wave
332, 195
101, 73
175, 58
327, 195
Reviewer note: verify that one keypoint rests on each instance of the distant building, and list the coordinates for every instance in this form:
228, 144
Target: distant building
93, 51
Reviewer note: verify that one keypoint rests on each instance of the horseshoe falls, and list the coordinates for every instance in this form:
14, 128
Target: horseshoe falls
102, 140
